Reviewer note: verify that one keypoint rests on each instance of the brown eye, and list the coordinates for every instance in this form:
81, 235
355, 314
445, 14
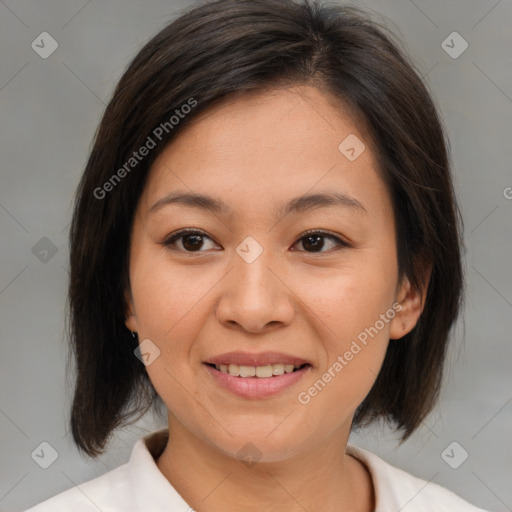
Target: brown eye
314, 241
190, 241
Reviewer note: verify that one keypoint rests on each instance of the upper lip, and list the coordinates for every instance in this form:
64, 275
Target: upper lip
251, 359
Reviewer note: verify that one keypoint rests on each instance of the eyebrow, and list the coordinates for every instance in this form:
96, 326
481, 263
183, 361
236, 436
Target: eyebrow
297, 204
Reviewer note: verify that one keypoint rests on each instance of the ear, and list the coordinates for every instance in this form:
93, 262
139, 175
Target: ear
131, 319
412, 302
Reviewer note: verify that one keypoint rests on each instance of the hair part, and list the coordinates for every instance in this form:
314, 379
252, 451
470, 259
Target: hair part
217, 51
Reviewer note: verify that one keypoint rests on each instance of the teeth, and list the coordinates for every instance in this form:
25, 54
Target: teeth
234, 369
247, 371
277, 369
263, 372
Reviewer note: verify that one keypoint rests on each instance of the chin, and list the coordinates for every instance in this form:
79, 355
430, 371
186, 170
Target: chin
267, 441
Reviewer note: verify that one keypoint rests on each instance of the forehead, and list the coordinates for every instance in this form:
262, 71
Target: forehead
272, 144
289, 118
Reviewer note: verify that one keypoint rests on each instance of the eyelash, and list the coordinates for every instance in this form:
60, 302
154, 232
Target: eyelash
169, 241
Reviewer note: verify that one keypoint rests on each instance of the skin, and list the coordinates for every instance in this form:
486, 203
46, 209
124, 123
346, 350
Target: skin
255, 153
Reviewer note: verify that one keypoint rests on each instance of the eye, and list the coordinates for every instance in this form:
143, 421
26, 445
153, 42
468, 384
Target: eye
314, 240
190, 240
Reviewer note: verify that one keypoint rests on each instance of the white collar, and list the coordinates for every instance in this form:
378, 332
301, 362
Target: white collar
394, 488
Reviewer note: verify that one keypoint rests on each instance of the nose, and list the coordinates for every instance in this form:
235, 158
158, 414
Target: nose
255, 296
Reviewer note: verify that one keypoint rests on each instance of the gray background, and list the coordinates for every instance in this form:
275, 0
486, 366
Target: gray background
49, 110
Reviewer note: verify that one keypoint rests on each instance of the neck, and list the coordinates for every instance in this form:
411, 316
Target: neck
323, 478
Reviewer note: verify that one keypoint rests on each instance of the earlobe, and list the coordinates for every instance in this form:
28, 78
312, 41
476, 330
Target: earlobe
131, 322
130, 319
412, 301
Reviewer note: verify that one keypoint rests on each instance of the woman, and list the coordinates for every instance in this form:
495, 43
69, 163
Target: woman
265, 240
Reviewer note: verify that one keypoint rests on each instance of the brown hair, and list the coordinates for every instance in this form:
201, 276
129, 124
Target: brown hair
213, 52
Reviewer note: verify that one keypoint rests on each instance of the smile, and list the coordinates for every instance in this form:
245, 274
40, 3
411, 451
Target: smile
256, 382
262, 372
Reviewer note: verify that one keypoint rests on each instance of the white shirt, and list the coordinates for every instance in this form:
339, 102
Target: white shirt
139, 486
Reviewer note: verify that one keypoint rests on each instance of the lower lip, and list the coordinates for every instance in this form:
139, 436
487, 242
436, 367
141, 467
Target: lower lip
256, 387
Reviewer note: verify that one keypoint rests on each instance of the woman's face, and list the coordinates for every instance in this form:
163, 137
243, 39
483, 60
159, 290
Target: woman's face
252, 289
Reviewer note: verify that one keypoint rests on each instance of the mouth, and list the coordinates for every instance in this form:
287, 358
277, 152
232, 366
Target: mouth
258, 372
256, 376
266, 377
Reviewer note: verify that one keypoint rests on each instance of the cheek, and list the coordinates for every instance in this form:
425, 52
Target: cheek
348, 299
169, 302
166, 295
355, 309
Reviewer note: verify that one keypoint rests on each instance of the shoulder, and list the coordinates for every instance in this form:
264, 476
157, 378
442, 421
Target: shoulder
100, 493
396, 489
137, 485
